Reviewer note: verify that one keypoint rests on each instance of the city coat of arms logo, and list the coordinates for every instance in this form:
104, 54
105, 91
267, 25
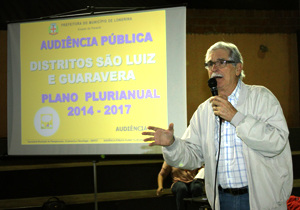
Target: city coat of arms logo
53, 29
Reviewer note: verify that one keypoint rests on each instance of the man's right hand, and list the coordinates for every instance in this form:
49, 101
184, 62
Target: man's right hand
159, 191
160, 136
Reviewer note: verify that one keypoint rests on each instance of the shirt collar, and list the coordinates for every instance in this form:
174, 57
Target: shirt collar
233, 98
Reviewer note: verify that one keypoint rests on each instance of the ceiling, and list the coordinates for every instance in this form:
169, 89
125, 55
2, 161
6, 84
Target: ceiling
14, 10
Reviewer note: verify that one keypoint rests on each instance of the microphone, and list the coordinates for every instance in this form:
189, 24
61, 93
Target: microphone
212, 83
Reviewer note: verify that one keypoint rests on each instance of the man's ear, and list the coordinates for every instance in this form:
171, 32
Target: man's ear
238, 69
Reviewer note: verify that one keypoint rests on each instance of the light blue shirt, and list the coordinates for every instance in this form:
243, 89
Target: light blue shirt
231, 169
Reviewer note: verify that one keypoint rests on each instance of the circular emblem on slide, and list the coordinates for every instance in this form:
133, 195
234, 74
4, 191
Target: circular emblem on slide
46, 121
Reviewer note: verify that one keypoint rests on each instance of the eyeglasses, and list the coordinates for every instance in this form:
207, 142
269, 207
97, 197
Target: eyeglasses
219, 63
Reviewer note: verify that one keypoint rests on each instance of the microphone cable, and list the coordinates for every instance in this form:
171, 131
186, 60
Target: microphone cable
215, 193
212, 83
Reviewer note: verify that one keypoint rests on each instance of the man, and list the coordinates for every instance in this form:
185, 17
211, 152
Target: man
255, 166
184, 185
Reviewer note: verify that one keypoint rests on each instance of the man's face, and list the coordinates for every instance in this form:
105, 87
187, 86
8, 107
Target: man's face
227, 77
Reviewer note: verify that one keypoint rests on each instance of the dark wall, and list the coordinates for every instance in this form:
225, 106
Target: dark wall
12, 10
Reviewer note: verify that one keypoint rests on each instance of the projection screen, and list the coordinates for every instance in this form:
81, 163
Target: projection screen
89, 85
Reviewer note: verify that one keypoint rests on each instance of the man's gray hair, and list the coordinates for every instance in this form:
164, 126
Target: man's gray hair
234, 53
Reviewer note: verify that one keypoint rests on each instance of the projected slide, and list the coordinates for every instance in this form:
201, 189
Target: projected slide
92, 84
93, 80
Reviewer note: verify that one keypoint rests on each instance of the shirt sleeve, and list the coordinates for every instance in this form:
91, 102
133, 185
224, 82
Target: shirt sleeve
184, 154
